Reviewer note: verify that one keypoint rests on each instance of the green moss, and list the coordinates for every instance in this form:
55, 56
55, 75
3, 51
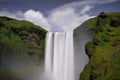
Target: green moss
21, 44
104, 50
21, 38
90, 49
85, 75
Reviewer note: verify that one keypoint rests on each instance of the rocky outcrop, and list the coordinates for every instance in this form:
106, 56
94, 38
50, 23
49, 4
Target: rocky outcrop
21, 44
103, 50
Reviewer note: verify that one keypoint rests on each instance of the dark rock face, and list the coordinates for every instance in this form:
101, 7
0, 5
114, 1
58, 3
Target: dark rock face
82, 35
21, 44
104, 49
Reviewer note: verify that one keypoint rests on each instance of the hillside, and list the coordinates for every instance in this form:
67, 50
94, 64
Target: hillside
104, 49
21, 44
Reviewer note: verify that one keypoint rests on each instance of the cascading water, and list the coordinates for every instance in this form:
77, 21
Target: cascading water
59, 57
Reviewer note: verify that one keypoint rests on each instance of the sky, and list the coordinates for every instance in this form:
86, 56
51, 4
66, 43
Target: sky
57, 15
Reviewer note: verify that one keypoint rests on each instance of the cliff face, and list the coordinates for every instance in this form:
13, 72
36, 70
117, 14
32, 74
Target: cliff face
82, 35
21, 44
104, 49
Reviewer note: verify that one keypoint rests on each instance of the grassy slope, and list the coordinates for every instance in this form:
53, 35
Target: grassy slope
104, 49
22, 36
21, 43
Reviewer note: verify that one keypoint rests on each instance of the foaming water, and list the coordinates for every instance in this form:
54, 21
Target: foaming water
59, 56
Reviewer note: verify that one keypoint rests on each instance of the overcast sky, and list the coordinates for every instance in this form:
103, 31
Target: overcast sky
56, 15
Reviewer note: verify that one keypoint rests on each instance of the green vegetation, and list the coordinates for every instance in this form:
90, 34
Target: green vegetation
21, 43
104, 49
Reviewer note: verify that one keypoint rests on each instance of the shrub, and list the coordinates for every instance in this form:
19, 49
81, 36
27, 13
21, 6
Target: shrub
102, 15
115, 23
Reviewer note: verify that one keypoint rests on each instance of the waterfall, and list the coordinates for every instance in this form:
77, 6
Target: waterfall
59, 56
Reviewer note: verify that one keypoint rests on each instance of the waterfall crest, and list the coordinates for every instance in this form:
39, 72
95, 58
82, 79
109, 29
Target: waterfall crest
59, 56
